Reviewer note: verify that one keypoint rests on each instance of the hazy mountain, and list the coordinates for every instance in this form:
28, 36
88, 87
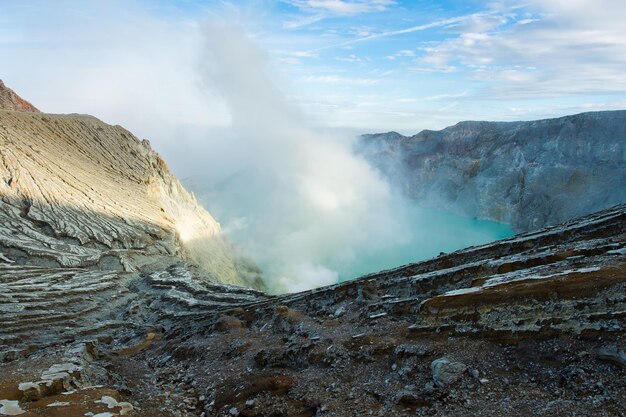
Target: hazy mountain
526, 174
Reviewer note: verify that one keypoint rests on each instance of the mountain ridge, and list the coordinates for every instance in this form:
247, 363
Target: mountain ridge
526, 174
499, 122
62, 175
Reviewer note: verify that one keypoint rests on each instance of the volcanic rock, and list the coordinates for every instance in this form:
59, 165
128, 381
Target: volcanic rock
446, 372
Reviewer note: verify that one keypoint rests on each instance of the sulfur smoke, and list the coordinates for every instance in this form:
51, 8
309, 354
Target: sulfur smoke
296, 198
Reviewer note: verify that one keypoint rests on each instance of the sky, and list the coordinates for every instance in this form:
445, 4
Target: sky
368, 66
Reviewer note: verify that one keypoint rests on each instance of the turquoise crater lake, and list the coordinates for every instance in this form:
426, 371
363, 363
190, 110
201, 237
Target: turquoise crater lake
432, 231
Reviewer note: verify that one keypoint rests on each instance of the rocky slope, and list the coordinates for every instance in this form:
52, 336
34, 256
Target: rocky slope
526, 174
77, 192
103, 311
9, 100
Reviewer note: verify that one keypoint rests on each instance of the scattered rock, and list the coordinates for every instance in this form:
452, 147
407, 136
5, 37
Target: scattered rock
125, 408
9, 356
58, 404
228, 323
406, 350
10, 408
612, 354
446, 372
409, 398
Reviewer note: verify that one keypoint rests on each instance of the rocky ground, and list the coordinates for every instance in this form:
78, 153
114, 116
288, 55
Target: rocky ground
112, 305
531, 325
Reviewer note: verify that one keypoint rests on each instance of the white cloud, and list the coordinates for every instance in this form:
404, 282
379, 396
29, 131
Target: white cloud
342, 7
412, 29
334, 79
574, 47
110, 59
405, 53
352, 58
304, 54
447, 96
301, 21
291, 61
296, 57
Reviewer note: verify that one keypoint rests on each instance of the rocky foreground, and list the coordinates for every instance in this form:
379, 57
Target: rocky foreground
116, 298
525, 174
531, 325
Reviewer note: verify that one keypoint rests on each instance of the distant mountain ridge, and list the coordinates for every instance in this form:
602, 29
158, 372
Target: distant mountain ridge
526, 174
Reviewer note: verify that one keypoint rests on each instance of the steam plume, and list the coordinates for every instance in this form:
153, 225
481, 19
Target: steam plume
300, 202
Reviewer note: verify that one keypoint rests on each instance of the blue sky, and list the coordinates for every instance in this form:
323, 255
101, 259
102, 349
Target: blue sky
363, 65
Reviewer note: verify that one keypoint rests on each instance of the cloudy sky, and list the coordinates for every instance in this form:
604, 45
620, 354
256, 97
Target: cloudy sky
368, 66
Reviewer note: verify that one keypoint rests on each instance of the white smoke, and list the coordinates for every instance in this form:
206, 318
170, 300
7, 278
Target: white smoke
308, 203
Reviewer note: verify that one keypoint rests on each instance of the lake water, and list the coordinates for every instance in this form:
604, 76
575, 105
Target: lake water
431, 232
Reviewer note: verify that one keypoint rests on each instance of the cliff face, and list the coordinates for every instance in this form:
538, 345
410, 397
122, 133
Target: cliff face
527, 174
77, 192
